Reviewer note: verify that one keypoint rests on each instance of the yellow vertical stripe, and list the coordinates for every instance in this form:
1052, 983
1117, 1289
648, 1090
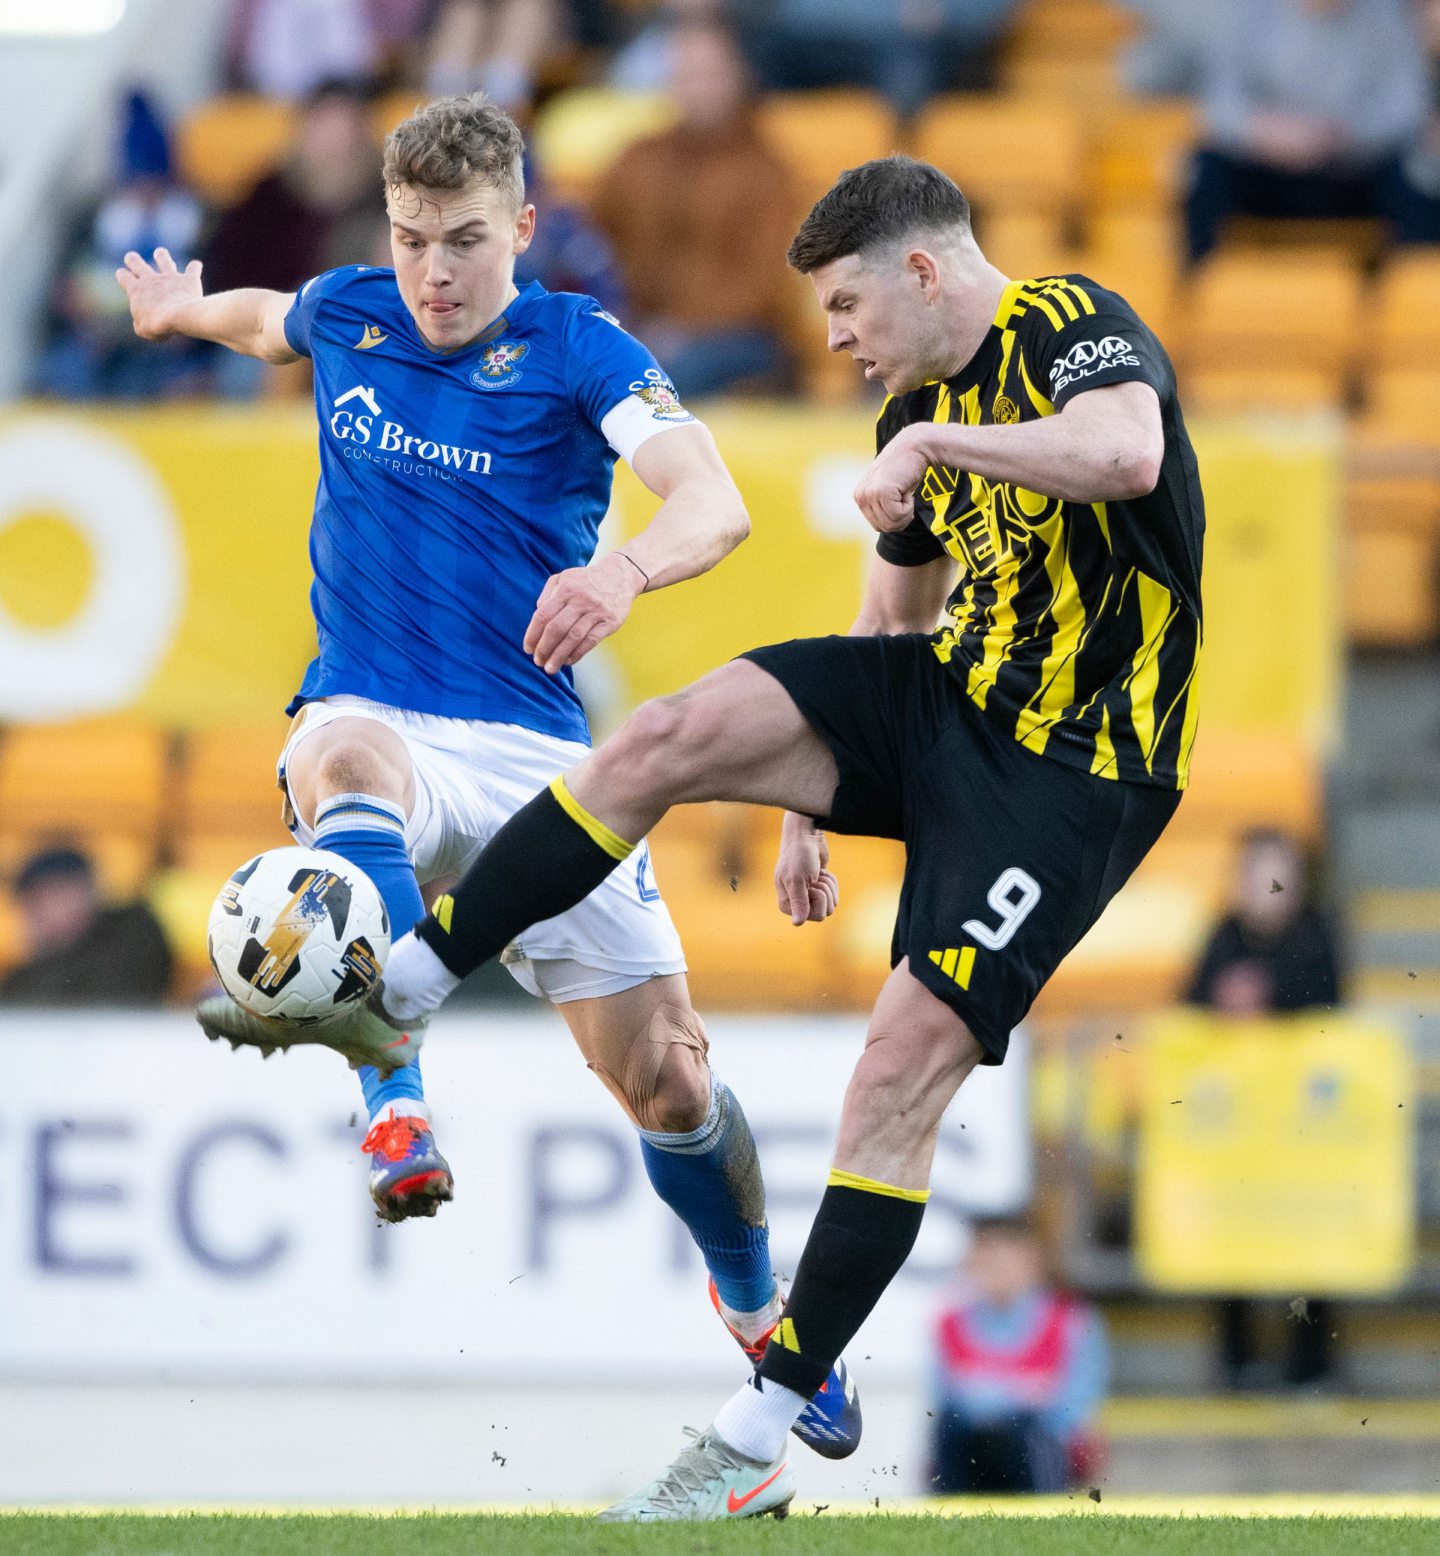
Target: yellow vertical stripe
999, 636
1104, 747
947, 962
966, 967
1157, 611
443, 911
1192, 719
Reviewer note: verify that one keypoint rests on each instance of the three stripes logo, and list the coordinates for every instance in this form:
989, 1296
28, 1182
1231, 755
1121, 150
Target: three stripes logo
955, 963
784, 1336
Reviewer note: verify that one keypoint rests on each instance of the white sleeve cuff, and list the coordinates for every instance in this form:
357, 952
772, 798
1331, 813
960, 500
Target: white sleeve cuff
635, 420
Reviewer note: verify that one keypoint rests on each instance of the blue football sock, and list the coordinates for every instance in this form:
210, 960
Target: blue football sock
711, 1179
370, 833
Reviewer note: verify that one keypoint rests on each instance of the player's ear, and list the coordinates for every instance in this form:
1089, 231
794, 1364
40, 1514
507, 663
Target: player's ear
925, 271
524, 228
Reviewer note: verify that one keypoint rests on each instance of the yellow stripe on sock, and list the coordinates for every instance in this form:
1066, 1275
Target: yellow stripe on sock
443, 911
853, 1180
595, 829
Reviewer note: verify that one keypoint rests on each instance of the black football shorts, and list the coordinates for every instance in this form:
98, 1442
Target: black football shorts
1009, 857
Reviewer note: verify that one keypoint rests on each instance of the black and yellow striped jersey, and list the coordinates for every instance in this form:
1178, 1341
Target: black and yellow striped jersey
1076, 626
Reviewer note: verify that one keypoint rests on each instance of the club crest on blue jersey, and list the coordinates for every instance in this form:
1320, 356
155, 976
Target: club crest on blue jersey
658, 394
499, 364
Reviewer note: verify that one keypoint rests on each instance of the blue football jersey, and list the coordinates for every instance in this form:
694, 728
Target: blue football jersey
453, 486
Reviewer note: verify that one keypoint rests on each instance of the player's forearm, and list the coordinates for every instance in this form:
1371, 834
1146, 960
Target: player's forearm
1071, 459
903, 599
244, 320
698, 525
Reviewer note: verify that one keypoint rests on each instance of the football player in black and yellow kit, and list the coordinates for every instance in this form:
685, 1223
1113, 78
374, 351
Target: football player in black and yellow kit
1028, 753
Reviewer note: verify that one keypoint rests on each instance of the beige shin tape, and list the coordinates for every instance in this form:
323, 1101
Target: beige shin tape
671, 1026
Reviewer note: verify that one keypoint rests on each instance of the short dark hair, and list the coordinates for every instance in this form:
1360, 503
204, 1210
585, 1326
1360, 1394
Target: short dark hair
56, 863
878, 202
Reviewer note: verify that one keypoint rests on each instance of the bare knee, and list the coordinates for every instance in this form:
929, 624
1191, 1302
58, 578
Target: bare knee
681, 1100
350, 757
660, 1073
664, 746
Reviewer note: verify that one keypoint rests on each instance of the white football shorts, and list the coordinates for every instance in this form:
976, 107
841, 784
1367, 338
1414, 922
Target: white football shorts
471, 776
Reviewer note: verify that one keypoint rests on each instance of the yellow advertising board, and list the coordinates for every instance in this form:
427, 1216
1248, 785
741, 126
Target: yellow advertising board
154, 562
1275, 1156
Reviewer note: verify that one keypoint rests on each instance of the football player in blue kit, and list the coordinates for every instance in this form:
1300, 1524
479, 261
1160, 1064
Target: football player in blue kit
468, 431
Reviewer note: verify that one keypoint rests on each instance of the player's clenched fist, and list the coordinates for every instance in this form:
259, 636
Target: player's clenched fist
804, 887
159, 293
886, 496
579, 608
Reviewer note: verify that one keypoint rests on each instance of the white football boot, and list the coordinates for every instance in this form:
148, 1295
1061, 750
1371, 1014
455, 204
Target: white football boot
710, 1482
363, 1034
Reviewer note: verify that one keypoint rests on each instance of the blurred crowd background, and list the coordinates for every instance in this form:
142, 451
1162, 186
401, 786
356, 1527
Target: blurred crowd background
1261, 178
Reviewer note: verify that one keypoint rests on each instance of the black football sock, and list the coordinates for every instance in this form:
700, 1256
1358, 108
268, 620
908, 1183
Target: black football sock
863, 1232
551, 854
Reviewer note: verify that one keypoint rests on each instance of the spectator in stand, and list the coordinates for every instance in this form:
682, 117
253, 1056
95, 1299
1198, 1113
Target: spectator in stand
80, 952
1020, 1372
494, 46
92, 352
908, 50
701, 216
322, 207
1176, 36
1309, 108
288, 48
1274, 952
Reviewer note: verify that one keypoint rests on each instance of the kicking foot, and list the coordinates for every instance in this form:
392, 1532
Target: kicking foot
709, 1482
363, 1034
831, 1423
408, 1175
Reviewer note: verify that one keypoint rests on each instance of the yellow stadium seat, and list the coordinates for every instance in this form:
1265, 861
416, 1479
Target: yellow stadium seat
579, 134
227, 783
1405, 311
1006, 153
740, 951
12, 934
230, 143
1278, 310
1025, 243
1244, 778
394, 108
1237, 391
1392, 586
1391, 569
1403, 403
818, 135
1076, 28
1141, 155
85, 777
1089, 85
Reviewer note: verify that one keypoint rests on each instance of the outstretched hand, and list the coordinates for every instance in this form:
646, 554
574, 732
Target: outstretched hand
886, 494
159, 293
579, 608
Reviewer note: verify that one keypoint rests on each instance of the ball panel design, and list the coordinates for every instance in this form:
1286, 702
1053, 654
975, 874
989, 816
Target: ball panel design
296, 934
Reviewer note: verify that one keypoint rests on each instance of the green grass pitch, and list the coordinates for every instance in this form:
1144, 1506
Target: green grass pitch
1075, 1533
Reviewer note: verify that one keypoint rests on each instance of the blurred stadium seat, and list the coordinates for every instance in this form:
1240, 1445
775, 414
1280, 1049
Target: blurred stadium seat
580, 133
1271, 328
1007, 153
820, 134
229, 143
1405, 311
1140, 155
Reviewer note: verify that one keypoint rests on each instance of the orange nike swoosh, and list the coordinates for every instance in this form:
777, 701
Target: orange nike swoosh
399, 1041
733, 1503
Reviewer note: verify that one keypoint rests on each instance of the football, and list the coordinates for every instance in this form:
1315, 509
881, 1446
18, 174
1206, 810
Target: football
297, 934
